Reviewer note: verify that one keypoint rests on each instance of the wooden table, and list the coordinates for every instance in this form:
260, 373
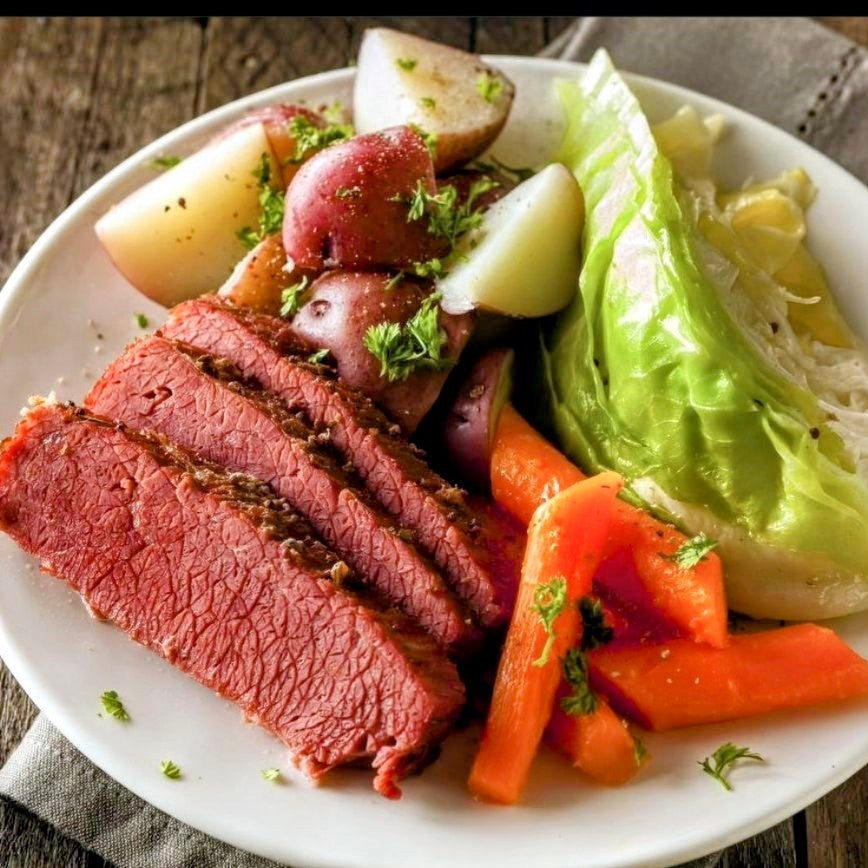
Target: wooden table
77, 96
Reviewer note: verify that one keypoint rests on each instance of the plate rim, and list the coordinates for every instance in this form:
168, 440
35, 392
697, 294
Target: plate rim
13, 296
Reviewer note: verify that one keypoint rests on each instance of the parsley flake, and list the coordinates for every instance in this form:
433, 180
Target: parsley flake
692, 552
595, 631
488, 86
318, 357
429, 139
310, 138
428, 268
724, 758
270, 207
582, 700
113, 706
164, 163
428, 102
416, 345
292, 297
408, 64
141, 320
639, 751
170, 770
272, 775
549, 600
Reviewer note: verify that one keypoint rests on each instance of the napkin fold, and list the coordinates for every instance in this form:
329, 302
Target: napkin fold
793, 72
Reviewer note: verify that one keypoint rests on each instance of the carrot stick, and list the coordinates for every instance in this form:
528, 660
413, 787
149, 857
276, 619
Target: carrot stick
682, 683
565, 540
527, 470
599, 743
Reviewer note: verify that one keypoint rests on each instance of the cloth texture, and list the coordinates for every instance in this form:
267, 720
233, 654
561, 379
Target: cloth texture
792, 72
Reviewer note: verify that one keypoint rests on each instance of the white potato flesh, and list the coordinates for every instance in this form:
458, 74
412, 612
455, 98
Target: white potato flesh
524, 259
402, 79
176, 237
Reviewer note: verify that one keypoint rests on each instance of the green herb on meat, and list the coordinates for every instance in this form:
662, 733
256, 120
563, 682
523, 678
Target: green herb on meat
428, 102
310, 138
408, 64
489, 86
170, 770
141, 320
595, 631
720, 763
416, 345
113, 706
318, 357
270, 207
692, 552
292, 298
549, 600
582, 700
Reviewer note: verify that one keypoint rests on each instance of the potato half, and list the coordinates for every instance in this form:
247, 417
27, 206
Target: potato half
402, 79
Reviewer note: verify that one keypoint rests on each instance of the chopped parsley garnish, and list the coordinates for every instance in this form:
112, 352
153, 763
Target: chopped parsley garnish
271, 774
310, 138
692, 552
141, 320
113, 706
292, 298
408, 64
428, 103
428, 268
595, 631
164, 163
270, 207
318, 357
429, 139
170, 770
447, 218
723, 759
488, 86
582, 700
639, 751
416, 345
549, 600
348, 192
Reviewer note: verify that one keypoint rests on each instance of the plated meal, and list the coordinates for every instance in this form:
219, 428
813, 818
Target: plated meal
429, 437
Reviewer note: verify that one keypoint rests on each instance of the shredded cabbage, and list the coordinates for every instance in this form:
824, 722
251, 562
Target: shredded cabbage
704, 358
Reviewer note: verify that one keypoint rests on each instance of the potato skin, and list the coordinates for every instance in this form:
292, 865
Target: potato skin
347, 206
343, 305
471, 423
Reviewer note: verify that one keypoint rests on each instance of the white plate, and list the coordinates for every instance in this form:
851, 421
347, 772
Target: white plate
65, 292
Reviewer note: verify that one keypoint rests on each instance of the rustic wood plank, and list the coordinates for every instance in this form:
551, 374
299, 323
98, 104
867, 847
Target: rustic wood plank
145, 86
837, 826
774, 848
856, 28
509, 35
249, 54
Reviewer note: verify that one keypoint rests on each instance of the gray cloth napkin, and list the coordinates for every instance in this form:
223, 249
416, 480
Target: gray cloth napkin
792, 72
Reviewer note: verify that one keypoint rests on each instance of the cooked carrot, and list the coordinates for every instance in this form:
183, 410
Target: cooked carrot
599, 743
526, 470
565, 540
682, 683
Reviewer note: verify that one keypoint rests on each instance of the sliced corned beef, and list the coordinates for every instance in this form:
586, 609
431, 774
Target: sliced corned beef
222, 579
264, 350
200, 403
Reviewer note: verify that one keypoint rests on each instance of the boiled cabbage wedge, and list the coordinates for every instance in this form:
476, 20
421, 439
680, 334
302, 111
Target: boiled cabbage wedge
704, 358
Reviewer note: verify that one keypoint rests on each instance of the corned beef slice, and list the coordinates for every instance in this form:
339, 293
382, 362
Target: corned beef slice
203, 568
199, 403
264, 350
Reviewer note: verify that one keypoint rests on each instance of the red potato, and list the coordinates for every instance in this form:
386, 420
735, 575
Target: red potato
468, 432
341, 306
276, 120
259, 279
347, 206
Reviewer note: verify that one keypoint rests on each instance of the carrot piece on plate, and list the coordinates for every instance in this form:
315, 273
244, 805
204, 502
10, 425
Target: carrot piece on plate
526, 470
565, 540
599, 743
683, 683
